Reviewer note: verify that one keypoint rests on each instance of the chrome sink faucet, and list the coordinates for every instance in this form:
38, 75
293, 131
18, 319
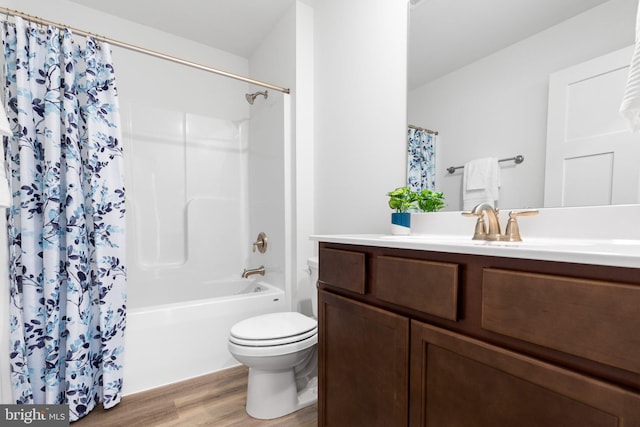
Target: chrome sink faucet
512, 233
253, 271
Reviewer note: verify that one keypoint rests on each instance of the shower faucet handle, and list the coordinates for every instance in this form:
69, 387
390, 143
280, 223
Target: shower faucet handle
260, 243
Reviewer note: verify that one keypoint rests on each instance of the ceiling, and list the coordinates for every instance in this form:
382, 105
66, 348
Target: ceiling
235, 26
444, 34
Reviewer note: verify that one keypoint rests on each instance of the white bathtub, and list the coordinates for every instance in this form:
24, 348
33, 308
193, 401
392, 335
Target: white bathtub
180, 330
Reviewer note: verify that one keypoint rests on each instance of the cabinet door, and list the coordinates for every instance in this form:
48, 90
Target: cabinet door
459, 381
363, 364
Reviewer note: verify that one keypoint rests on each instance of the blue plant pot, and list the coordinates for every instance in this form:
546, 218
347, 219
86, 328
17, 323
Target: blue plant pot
400, 223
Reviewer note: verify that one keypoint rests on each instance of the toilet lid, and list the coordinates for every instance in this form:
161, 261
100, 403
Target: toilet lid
274, 326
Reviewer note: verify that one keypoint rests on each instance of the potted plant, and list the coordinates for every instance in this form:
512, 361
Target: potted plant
401, 199
430, 201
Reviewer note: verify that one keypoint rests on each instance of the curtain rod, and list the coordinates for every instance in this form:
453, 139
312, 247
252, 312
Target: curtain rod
433, 132
139, 49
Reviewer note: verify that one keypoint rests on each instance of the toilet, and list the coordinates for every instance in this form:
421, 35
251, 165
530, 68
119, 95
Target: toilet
281, 353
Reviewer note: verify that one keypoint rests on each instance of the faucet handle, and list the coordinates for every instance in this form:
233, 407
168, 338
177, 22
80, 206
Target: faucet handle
512, 232
260, 243
525, 212
480, 232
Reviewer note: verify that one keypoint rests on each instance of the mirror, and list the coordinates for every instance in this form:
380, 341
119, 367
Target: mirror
479, 75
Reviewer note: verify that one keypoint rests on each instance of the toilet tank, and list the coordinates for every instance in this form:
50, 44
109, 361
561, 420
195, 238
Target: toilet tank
313, 280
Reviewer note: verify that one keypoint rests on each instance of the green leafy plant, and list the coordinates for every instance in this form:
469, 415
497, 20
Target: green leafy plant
402, 199
430, 201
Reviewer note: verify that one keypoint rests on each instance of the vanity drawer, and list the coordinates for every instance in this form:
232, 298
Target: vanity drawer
343, 269
596, 320
426, 286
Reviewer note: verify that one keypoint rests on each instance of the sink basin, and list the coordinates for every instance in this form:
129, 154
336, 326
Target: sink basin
533, 242
429, 237
538, 244
467, 240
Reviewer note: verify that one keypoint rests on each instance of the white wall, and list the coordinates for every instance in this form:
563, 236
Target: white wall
497, 106
360, 112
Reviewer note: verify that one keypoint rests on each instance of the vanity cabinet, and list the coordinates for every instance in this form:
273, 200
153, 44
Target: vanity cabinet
420, 338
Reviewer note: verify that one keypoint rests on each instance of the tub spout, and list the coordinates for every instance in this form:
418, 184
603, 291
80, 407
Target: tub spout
251, 271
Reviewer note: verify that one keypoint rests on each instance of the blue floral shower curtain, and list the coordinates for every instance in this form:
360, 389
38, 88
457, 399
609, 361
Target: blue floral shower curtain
421, 160
66, 222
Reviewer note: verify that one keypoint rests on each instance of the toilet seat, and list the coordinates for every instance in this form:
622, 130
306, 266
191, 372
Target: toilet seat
273, 334
273, 350
273, 329
275, 341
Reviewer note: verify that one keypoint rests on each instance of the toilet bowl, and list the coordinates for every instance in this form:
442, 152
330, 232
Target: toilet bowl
281, 353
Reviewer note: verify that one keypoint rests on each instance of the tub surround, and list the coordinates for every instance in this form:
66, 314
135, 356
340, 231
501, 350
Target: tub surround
545, 331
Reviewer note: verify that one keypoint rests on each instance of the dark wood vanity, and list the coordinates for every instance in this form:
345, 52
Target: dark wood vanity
425, 338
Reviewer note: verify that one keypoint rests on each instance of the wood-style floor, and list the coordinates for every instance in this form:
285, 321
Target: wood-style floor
216, 399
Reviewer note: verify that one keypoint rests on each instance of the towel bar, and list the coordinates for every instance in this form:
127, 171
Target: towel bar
517, 160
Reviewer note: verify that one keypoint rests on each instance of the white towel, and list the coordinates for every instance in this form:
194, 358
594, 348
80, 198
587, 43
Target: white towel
5, 129
630, 107
481, 182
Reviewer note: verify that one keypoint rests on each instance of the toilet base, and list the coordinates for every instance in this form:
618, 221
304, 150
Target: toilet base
273, 394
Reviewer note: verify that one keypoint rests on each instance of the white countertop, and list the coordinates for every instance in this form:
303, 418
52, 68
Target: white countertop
610, 252
601, 235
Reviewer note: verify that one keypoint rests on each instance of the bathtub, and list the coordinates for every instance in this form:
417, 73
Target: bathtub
180, 330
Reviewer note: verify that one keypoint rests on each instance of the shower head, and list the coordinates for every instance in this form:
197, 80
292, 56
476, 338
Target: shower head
252, 96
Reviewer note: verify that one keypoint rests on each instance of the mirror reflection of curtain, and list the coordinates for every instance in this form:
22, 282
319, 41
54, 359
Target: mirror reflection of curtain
421, 160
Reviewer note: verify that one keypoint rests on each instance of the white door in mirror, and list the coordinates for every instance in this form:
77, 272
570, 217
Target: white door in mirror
590, 148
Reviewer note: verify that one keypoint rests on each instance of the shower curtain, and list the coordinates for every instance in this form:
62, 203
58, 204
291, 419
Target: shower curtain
421, 160
66, 222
